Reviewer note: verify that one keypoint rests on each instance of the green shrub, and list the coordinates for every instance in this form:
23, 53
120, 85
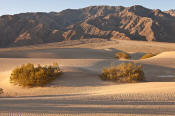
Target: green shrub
29, 75
122, 55
148, 55
125, 72
1, 91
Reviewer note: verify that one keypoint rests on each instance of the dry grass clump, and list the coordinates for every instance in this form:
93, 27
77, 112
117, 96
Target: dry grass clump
125, 72
148, 55
29, 75
122, 55
1, 91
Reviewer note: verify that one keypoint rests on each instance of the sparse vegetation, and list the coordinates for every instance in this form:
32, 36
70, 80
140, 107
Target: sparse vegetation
29, 75
122, 55
125, 72
1, 90
148, 55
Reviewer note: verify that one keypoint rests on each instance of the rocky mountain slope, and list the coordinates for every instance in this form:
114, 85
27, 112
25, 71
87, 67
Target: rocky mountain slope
107, 22
171, 12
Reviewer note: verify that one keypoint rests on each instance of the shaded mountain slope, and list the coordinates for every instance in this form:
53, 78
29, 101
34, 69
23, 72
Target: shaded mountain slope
107, 22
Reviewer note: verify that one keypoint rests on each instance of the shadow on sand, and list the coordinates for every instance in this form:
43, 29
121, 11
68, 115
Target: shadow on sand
62, 53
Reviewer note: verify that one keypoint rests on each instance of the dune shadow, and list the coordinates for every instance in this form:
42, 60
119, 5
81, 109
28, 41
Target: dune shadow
137, 55
61, 53
155, 73
81, 78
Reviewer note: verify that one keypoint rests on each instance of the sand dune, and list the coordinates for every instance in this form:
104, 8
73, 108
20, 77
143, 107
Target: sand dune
79, 91
168, 55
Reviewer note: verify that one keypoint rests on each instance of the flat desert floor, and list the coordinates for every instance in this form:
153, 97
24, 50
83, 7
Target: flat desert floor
80, 91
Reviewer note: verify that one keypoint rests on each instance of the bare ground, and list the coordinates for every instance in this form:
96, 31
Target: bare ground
79, 91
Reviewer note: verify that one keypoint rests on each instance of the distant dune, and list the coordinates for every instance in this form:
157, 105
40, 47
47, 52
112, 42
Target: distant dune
86, 49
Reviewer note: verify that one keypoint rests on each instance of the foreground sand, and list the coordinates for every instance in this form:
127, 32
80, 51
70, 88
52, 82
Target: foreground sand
79, 91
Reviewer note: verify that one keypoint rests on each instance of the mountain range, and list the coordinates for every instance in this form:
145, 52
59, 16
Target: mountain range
107, 22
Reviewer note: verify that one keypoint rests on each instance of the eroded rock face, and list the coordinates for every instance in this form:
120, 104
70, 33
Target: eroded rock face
171, 12
107, 22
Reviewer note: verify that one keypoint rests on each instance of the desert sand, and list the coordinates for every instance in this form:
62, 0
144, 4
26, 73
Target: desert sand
80, 91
